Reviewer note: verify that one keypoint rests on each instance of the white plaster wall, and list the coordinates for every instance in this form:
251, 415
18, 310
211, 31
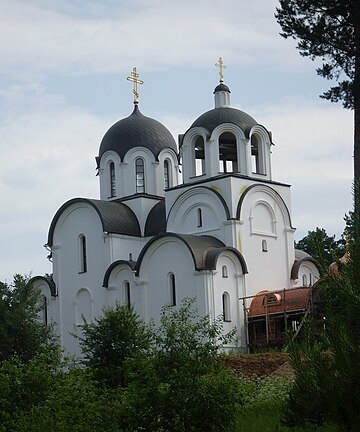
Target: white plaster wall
164, 256
183, 215
121, 246
77, 219
104, 176
264, 217
311, 273
234, 286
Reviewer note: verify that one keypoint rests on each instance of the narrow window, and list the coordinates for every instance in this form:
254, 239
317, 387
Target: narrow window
140, 179
264, 246
224, 271
304, 280
127, 294
45, 310
166, 174
199, 217
257, 163
83, 257
199, 153
112, 180
172, 289
228, 160
226, 306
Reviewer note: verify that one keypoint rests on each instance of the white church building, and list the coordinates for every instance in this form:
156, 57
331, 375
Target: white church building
221, 235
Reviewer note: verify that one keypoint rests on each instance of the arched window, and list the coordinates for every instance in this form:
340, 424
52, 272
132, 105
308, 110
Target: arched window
224, 271
264, 246
257, 160
82, 254
226, 306
44, 310
140, 175
127, 294
228, 160
172, 288
304, 280
199, 218
112, 179
199, 156
167, 174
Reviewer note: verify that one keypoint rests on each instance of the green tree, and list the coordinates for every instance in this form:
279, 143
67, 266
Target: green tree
329, 30
184, 385
326, 360
111, 341
21, 332
321, 246
24, 385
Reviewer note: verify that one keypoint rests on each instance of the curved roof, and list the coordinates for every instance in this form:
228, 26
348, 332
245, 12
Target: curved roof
213, 118
137, 130
115, 217
222, 87
156, 220
130, 264
204, 250
48, 280
274, 302
301, 257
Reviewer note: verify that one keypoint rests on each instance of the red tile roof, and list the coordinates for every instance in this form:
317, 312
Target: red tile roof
288, 300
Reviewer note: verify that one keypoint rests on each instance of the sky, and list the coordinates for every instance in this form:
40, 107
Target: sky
63, 69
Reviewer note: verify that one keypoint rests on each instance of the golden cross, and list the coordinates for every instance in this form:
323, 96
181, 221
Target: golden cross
221, 66
135, 79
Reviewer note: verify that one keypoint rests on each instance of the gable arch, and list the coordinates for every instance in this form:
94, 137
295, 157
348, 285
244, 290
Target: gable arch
114, 269
197, 246
271, 193
192, 199
126, 223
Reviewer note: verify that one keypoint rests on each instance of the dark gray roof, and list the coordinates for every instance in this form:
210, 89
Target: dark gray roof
205, 250
49, 281
300, 257
130, 264
213, 118
156, 220
222, 87
137, 130
116, 217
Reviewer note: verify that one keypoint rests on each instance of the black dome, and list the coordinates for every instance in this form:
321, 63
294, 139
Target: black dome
137, 130
222, 87
213, 118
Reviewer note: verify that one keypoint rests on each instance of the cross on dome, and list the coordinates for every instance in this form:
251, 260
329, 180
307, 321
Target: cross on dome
221, 66
135, 79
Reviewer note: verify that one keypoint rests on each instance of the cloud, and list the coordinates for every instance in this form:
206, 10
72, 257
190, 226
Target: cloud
150, 34
313, 152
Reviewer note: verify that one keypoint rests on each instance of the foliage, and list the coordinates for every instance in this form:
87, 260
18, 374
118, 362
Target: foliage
184, 385
21, 332
327, 385
75, 403
320, 246
325, 29
111, 341
24, 385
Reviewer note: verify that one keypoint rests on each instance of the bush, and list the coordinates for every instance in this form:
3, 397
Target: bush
184, 385
111, 341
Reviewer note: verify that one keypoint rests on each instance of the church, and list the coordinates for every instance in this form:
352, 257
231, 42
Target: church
222, 235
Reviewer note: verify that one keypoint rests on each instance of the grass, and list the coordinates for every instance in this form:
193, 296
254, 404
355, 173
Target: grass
264, 401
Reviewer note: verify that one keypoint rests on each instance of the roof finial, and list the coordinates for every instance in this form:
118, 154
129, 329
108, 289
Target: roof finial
221, 66
135, 79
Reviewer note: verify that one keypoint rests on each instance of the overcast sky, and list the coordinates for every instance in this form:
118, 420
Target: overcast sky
63, 72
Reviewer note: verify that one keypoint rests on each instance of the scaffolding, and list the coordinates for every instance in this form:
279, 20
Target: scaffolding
271, 314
